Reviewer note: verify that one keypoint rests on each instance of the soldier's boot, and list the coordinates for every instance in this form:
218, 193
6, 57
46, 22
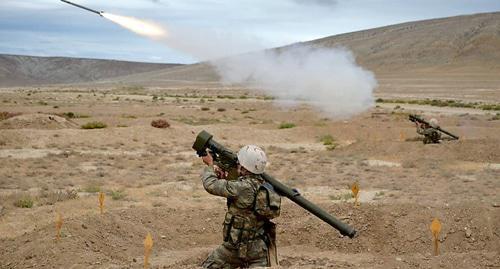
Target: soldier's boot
222, 258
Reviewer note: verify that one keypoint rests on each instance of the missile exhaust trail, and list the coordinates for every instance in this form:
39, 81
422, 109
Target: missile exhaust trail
82, 7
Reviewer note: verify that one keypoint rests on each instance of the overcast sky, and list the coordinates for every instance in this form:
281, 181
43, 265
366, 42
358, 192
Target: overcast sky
53, 28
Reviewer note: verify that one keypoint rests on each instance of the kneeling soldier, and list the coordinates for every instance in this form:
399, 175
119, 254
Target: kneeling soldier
248, 233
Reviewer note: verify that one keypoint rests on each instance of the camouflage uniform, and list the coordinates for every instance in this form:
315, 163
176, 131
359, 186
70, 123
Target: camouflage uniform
430, 134
244, 232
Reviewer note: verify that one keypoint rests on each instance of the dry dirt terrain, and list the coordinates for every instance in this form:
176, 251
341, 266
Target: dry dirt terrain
150, 177
50, 165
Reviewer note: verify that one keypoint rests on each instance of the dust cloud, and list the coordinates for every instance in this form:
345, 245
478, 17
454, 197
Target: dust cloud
327, 78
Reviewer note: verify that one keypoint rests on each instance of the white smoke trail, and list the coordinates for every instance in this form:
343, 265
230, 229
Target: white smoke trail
327, 78
141, 27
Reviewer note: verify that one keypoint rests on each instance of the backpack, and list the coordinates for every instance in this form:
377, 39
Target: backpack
267, 202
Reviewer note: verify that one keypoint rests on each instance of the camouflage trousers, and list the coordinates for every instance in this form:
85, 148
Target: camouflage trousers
253, 254
431, 140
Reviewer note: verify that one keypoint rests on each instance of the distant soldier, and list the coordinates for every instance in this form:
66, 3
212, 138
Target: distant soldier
248, 233
429, 131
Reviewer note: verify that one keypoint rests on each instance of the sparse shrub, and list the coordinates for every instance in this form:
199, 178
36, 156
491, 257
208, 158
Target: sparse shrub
286, 125
121, 125
5, 115
221, 109
68, 115
72, 115
327, 140
25, 202
118, 195
205, 108
379, 100
160, 123
94, 125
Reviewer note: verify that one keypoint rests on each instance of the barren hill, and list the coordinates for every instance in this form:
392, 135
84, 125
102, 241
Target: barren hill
453, 45
466, 43
16, 70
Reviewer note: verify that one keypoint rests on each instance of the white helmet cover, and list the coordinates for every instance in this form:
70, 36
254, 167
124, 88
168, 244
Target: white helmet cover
253, 159
433, 123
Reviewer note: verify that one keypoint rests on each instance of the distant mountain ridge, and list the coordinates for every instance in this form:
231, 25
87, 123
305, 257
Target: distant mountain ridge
460, 44
464, 42
19, 70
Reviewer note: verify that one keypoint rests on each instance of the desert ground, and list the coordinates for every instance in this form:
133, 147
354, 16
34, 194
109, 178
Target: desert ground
150, 176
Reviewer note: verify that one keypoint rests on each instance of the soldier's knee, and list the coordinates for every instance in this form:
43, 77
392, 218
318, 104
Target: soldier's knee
257, 254
212, 264
221, 258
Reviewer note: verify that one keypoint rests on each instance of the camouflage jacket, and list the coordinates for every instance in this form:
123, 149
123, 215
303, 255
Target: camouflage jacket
428, 131
240, 216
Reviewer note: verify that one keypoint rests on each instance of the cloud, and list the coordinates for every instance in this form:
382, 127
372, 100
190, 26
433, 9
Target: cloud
323, 3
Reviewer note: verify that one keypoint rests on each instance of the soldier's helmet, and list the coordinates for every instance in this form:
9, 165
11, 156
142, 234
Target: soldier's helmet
433, 123
253, 159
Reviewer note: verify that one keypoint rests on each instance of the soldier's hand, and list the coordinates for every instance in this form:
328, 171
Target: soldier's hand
220, 172
208, 159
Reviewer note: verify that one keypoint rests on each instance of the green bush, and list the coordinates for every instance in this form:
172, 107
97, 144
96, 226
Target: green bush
286, 125
327, 140
25, 202
94, 125
118, 195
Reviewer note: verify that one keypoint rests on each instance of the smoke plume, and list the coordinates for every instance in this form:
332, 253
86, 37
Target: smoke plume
327, 78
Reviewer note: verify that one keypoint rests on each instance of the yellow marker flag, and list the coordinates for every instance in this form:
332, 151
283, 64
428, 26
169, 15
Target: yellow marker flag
355, 192
402, 136
59, 223
436, 229
101, 202
148, 245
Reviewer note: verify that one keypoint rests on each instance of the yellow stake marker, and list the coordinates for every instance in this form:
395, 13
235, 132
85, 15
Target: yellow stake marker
148, 245
402, 136
101, 202
59, 223
436, 229
355, 191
